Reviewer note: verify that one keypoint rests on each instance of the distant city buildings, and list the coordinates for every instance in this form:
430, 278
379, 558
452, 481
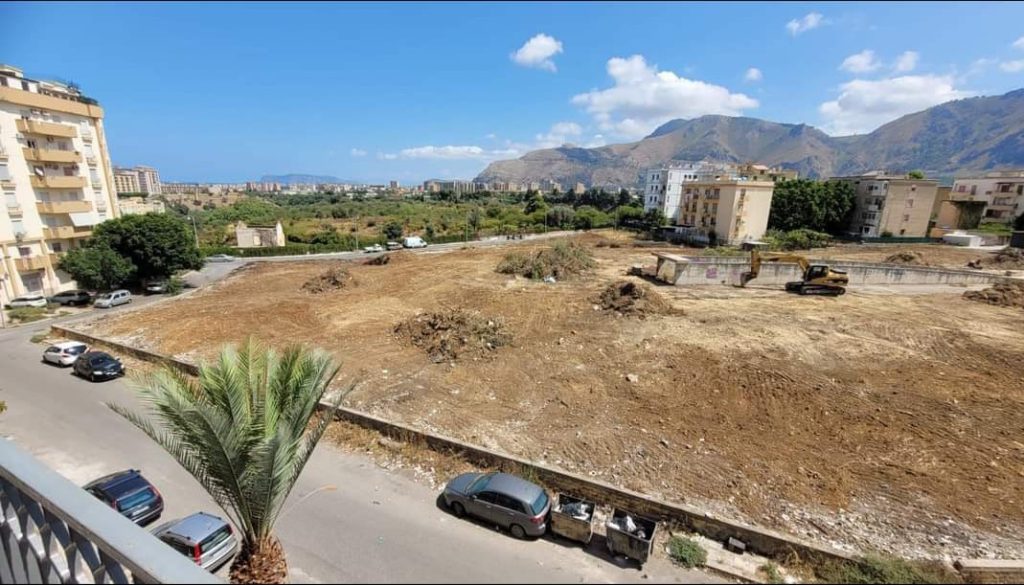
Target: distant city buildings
891, 205
393, 185
138, 179
140, 205
55, 179
263, 187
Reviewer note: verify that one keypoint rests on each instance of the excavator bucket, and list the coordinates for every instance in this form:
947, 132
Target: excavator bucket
746, 277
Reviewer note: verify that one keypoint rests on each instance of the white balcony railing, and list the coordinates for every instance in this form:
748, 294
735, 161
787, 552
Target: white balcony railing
53, 531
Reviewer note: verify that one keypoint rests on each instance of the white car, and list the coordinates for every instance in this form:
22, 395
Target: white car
28, 301
112, 299
65, 353
373, 248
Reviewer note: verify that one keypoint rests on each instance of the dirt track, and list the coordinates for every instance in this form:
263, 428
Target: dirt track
874, 422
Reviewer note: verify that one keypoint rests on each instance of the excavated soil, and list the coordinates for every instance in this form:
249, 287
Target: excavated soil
1006, 259
453, 333
906, 257
891, 422
632, 298
1003, 295
331, 280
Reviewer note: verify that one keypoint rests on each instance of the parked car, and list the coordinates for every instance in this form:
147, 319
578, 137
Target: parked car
28, 301
64, 353
373, 248
205, 538
72, 297
220, 258
130, 494
98, 365
499, 498
112, 299
394, 245
414, 242
156, 287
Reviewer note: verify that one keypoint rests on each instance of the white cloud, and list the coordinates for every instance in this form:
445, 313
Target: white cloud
386, 156
810, 21
454, 153
906, 62
1018, 44
1012, 66
491, 136
560, 133
862, 62
753, 74
595, 142
537, 52
643, 98
357, 152
864, 105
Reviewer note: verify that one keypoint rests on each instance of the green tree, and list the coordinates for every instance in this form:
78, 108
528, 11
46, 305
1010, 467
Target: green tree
474, 218
243, 431
654, 219
535, 203
624, 198
814, 205
156, 244
327, 236
393, 230
916, 174
561, 216
97, 267
588, 217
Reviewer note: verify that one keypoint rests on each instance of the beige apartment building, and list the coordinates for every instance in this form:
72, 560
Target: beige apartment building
138, 179
756, 172
734, 210
126, 181
56, 180
1001, 191
140, 205
891, 205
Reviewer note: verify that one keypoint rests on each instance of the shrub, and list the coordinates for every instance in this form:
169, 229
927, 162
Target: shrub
801, 239
686, 552
27, 314
771, 573
175, 285
882, 569
562, 260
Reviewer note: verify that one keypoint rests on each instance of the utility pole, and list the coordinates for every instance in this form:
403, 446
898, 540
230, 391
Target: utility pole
194, 230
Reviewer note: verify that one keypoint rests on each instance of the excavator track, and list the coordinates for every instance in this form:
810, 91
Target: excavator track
811, 289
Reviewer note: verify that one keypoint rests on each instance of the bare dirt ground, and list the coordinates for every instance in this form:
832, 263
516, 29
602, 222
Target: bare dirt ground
890, 422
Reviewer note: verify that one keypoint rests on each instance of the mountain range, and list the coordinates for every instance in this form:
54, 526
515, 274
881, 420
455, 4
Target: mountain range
302, 179
970, 134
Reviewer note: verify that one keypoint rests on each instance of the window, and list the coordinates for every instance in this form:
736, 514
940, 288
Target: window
4, 175
17, 226
31, 143
487, 497
974, 189
24, 251
910, 203
906, 217
57, 247
511, 503
24, 85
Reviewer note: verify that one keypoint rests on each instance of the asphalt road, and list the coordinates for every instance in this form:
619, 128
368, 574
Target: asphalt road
347, 520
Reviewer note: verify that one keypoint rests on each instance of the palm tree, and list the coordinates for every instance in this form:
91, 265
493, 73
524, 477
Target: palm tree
242, 429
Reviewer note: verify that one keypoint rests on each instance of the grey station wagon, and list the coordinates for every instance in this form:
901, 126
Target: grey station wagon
204, 538
505, 500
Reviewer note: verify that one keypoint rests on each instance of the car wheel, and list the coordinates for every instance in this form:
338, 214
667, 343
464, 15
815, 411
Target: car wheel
458, 509
517, 531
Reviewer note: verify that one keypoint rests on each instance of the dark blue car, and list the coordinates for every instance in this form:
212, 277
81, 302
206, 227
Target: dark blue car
130, 494
98, 365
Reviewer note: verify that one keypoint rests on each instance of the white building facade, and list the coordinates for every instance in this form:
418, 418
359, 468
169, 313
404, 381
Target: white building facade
55, 177
663, 186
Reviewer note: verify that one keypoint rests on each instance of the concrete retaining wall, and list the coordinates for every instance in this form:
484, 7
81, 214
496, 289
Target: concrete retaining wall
701, 271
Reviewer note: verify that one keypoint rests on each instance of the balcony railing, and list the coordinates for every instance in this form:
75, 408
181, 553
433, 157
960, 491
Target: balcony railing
14, 210
28, 263
46, 128
63, 206
52, 155
66, 231
58, 182
55, 532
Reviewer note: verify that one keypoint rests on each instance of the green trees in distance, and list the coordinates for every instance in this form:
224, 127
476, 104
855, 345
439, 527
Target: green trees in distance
243, 431
99, 268
916, 174
823, 206
133, 248
393, 230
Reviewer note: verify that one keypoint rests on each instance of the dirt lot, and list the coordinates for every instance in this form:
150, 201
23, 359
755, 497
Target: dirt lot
864, 421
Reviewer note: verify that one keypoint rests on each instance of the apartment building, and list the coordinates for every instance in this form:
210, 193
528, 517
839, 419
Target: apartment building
891, 205
55, 176
149, 180
755, 172
125, 181
140, 205
1001, 191
663, 186
733, 210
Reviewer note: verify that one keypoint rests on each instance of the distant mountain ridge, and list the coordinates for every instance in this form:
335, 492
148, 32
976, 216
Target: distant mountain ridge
971, 134
296, 178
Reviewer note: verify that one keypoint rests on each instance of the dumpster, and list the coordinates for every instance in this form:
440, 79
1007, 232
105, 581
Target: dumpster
630, 535
573, 518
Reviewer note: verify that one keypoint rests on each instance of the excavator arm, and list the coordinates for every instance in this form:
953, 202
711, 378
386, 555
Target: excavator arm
756, 258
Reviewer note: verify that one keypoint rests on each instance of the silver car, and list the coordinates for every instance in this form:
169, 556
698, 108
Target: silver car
204, 538
499, 498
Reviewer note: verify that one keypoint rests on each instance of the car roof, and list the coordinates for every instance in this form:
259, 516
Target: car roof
95, 354
196, 527
513, 486
118, 483
68, 344
31, 296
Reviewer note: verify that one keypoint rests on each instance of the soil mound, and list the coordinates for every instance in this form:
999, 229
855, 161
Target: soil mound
331, 280
631, 298
378, 260
1003, 294
1005, 259
454, 333
906, 257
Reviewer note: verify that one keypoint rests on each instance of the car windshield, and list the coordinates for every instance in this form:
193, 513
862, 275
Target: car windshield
479, 483
539, 503
105, 296
135, 499
216, 538
75, 350
102, 360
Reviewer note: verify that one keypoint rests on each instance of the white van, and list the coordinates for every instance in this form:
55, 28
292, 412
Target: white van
113, 299
414, 242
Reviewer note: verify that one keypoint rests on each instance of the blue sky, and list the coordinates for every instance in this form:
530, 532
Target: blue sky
228, 92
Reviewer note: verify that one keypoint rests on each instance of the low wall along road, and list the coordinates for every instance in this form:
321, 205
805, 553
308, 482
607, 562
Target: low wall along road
686, 271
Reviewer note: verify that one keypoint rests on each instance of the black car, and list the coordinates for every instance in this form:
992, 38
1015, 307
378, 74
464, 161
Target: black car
72, 297
98, 365
130, 494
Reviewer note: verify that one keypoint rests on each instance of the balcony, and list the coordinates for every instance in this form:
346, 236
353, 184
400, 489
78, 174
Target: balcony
63, 206
49, 155
46, 128
90, 159
55, 532
872, 208
66, 232
58, 182
3, 153
26, 264
14, 210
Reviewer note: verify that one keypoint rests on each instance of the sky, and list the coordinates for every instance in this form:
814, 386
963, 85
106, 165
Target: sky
390, 91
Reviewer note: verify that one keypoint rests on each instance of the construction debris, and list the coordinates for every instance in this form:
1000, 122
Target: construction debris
906, 257
453, 333
637, 299
378, 260
1007, 294
1005, 259
331, 280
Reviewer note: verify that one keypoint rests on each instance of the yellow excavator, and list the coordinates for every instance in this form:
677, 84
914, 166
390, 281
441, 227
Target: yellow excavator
818, 279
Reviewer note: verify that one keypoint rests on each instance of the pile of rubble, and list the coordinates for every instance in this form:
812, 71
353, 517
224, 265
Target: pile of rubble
453, 333
907, 258
331, 280
635, 299
1005, 259
1006, 294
